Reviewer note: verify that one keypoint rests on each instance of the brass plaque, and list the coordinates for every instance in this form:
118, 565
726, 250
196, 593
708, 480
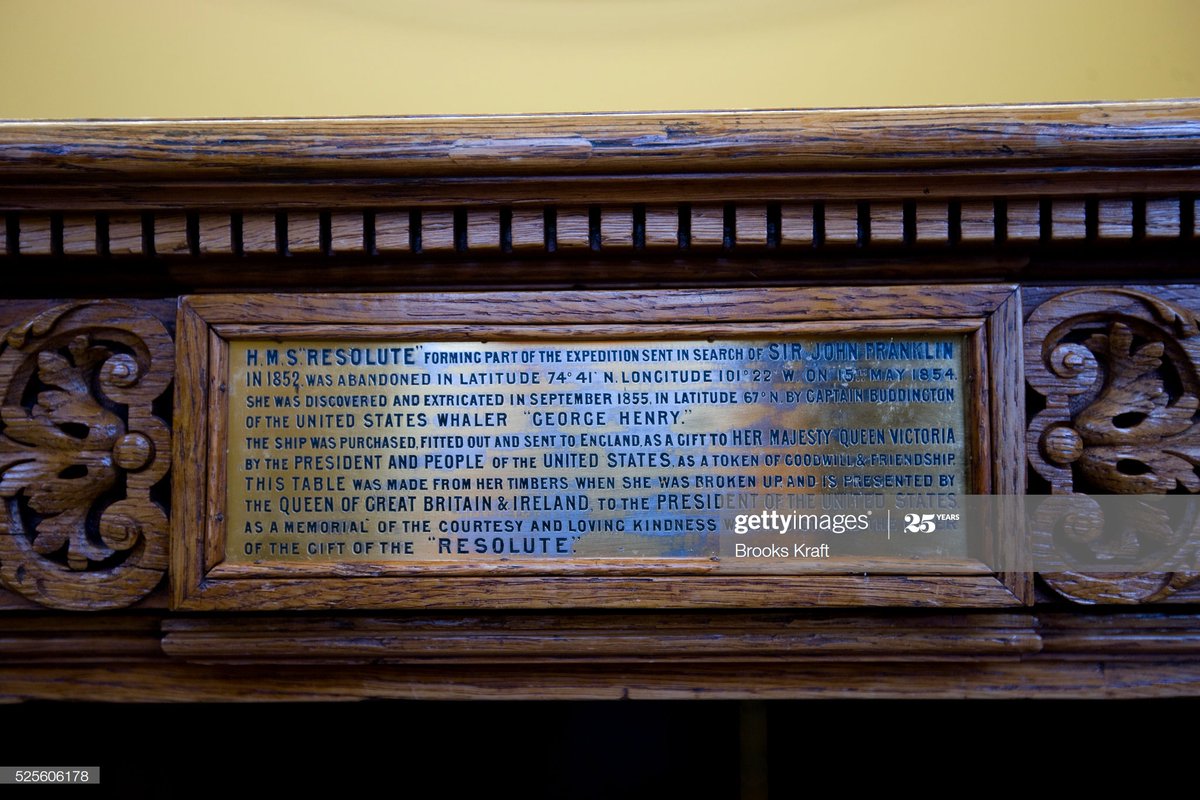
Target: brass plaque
346, 450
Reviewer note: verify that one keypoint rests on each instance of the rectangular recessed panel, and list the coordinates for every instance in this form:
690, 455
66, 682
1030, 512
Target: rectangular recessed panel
404, 450
566, 450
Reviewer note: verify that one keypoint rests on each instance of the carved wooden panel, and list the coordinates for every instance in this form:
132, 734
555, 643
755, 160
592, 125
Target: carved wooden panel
1116, 370
813, 203
82, 450
203, 576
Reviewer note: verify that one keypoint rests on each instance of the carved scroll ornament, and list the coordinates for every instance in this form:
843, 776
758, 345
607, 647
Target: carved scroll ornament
81, 454
1117, 371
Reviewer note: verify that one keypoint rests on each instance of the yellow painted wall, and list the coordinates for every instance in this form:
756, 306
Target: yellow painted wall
166, 58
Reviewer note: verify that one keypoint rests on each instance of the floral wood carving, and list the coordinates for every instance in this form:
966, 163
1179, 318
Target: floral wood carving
1117, 371
80, 452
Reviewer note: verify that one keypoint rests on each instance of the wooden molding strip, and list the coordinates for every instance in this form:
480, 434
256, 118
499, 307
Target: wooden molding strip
738, 655
175, 682
635, 638
824, 140
474, 231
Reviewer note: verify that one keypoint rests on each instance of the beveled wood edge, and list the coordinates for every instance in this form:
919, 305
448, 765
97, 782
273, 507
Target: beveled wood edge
538, 332
718, 141
978, 409
694, 305
757, 654
1007, 394
513, 592
629, 638
184, 682
601, 567
525, 637
216, 439
189, 454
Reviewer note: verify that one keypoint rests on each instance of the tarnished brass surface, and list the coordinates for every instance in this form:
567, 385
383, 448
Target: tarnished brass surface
356, 450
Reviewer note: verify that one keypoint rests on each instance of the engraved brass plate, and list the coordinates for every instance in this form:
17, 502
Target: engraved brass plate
396, 451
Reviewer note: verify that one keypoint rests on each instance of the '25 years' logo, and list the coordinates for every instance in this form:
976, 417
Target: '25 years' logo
919, 523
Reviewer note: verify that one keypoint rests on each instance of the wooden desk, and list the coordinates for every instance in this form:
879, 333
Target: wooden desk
1085, 216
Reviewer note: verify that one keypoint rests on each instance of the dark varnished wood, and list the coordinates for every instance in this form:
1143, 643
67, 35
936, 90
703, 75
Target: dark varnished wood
473, 213
200, 581
1079, 442
762, 637
684, 655
1162, 132
80, 528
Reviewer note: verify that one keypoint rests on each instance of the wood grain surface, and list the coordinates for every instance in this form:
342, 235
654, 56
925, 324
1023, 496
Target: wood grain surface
208, 322
453, 221
917, 138
764, 655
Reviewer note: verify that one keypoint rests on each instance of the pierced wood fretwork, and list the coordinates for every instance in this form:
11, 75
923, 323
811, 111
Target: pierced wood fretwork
1118, 371
81, 452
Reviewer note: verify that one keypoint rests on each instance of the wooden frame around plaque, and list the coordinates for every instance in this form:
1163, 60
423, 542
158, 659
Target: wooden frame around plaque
988, 315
